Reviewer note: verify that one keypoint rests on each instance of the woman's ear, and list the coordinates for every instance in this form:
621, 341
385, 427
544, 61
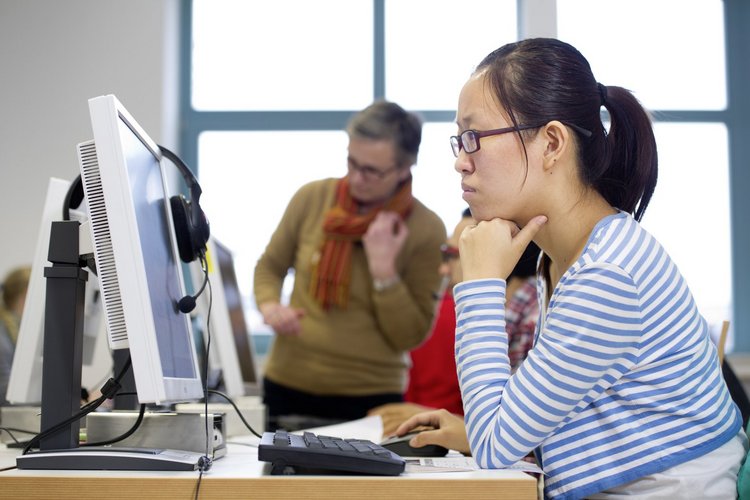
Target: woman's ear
557, 142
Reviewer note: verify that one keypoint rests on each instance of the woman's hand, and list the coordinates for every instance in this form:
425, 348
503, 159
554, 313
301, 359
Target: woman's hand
393, 414
449, 430
283, 319
491, 249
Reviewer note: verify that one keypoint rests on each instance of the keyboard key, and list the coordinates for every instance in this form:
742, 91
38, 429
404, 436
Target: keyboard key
281, 439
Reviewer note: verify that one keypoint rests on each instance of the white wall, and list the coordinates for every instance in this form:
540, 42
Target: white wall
54, 56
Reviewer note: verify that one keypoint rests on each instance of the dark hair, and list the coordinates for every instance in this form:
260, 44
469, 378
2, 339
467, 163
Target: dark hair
384, 120
14, 285
527, 263
543, 79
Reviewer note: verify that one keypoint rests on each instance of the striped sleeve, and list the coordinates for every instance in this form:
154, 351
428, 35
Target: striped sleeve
590, 339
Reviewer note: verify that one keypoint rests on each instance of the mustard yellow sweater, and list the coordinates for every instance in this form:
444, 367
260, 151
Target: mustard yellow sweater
362, 349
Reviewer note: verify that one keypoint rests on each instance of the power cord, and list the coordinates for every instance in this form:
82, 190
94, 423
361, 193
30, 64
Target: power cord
239, 413
127, 433
205, 462
110, 389
11, 430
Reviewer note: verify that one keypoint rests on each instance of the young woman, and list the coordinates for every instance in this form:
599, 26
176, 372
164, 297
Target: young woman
622, 392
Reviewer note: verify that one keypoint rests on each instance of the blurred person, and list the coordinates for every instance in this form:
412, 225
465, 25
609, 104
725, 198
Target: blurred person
364, 253
14, 288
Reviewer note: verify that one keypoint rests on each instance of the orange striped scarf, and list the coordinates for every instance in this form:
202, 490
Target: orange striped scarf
342, 227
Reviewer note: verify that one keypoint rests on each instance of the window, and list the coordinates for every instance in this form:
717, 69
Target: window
692, 222
689, 90
429, 57
287, 55
269, 88
670, 56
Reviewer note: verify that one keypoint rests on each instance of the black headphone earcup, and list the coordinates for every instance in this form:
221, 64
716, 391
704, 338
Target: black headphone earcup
181, 220
74, 197
191, 237
190, 222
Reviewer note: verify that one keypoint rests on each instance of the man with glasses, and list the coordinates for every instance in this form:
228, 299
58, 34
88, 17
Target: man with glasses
364, 253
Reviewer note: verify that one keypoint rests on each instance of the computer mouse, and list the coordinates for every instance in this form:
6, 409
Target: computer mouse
400, 446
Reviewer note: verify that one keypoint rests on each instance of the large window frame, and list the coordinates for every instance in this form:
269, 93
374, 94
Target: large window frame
735, 117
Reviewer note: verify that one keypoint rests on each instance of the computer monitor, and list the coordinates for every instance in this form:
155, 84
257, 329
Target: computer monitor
25, 383
232, 352
136, 253
136, 256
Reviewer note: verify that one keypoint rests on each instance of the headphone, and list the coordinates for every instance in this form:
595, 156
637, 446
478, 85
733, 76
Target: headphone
190, 222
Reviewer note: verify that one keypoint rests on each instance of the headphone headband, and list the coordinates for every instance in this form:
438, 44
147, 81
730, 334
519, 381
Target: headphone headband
190, 223
187, 174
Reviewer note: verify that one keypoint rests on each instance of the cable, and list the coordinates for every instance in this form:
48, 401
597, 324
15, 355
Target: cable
205, 462
11, 430
200, 478
205, 364
111, 387
127, 433
237, 410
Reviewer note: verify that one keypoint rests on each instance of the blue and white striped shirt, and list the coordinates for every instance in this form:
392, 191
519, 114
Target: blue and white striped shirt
623, 380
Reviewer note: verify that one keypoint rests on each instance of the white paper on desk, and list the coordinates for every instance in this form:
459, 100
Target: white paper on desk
461, 464
369, 428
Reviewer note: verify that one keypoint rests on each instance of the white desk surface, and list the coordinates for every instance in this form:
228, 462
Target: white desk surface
241, 475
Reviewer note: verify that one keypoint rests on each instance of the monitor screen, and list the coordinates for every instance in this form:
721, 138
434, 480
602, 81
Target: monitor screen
160, 265
240, 331
136, 254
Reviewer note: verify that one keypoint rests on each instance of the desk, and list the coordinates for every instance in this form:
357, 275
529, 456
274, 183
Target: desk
240, 475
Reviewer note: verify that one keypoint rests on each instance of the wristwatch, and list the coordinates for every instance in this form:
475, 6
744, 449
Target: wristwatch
382, 285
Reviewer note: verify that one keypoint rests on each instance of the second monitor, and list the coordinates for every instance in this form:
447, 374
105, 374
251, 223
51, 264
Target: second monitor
233, 354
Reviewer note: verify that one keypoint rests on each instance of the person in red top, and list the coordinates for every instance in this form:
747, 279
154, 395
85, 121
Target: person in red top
433, 382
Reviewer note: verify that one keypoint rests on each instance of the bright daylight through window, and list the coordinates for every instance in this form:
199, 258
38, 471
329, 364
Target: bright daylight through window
312, 64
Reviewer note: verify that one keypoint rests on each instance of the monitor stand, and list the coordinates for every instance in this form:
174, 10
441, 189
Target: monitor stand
61, 372
111, 458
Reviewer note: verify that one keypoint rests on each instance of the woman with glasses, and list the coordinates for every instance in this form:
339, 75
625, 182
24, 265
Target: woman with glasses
364, 253
622, 393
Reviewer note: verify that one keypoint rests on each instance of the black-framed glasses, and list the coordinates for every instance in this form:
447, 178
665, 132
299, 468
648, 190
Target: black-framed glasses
369, 173
448, 252
468, 140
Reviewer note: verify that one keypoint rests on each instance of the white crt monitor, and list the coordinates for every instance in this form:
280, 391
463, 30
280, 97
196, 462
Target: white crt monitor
136, 254
25, 384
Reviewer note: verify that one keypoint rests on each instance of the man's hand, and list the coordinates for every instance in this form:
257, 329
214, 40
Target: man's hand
382, 242
283, 319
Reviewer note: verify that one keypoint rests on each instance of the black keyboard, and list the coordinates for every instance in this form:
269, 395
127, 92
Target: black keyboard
312, 453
